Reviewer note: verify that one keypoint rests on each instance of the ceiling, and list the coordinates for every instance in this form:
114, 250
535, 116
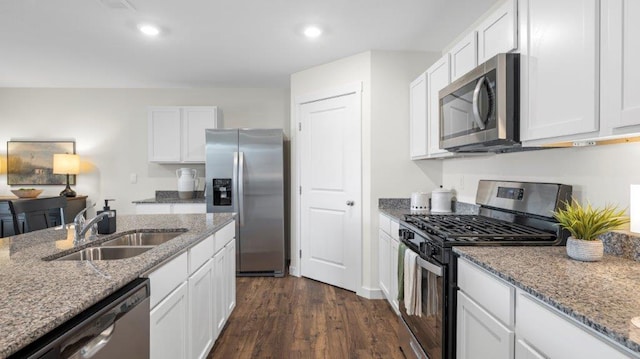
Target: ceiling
209, 43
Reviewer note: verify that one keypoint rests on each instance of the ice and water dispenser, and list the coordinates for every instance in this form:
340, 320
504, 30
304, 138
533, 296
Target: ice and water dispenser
222, 192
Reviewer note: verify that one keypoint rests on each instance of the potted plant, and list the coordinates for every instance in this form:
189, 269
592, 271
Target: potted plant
585, 225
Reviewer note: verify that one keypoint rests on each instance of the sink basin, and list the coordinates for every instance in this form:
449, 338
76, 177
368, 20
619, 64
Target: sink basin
104, 253
142, 239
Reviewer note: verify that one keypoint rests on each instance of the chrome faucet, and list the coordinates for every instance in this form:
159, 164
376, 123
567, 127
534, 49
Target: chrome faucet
81, 226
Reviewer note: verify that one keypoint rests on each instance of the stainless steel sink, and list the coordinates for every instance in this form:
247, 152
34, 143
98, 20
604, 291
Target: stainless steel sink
142, 239
104, 253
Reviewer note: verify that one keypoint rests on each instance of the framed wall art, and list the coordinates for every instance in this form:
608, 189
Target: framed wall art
31, 162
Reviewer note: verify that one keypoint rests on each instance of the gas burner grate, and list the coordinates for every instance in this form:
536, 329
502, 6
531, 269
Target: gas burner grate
474, 228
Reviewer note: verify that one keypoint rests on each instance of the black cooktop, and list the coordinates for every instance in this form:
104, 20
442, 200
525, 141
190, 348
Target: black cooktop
471, 229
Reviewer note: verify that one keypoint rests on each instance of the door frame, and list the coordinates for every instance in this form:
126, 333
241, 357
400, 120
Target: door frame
295, 268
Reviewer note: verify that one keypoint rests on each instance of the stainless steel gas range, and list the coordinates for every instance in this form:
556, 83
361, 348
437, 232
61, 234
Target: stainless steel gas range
511, 213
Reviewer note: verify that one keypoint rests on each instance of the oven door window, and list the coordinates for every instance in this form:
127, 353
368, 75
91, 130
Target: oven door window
470, 109
429, 327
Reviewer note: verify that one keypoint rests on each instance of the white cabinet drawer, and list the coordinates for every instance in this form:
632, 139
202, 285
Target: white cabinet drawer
168, 277
200, 253
556, 337
491, 293
225, 235
384, 223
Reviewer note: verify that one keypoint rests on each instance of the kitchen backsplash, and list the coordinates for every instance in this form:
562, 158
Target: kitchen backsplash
623, 244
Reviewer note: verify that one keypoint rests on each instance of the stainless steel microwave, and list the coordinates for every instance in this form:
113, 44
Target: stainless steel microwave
480, 111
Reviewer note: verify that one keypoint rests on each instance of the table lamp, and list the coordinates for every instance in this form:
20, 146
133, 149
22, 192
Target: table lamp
66, 164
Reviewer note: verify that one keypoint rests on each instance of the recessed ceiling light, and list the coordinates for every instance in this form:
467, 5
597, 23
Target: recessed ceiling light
312, 32
149, 30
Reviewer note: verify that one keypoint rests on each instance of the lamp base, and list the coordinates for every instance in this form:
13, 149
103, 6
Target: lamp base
68, 192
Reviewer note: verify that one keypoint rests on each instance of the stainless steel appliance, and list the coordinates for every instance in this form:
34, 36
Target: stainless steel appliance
245, 172
480, 111
511, 213
116, 327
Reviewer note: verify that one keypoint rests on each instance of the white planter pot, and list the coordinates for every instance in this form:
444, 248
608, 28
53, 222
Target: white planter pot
586, 251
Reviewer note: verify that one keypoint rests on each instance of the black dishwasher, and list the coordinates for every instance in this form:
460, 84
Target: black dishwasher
116, 327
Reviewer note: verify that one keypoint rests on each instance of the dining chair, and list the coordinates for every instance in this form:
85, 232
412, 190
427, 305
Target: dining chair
36, 213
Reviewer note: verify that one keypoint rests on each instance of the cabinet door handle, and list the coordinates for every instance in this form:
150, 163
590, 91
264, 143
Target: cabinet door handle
350, 203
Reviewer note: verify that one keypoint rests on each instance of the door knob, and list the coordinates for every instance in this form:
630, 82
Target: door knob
350, 203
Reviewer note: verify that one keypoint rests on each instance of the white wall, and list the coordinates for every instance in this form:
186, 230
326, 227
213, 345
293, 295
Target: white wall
387, 170
599, 174
386, 143
110, 130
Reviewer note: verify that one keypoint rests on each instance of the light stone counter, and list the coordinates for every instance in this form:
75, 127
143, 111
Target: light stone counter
603, 295
37, 295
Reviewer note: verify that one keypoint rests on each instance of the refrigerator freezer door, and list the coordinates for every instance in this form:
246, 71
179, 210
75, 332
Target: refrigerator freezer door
221, 170
261, 212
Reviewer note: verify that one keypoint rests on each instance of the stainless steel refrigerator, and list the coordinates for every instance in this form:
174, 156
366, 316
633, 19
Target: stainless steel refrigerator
245, 174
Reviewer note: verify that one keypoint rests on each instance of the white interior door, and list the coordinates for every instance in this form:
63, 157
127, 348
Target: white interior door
330, 178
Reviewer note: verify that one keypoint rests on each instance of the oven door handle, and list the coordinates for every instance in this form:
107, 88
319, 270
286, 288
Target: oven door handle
437, 270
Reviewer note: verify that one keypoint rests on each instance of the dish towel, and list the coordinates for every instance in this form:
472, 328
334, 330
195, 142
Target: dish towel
432, 294
401, 249
412, 284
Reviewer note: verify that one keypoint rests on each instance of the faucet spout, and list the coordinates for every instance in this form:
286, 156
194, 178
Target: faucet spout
81, 227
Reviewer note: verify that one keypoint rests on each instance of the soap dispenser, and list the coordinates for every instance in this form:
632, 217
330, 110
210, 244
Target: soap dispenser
108, 224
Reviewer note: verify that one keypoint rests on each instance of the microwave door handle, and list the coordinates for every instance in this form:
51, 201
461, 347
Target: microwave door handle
475, 104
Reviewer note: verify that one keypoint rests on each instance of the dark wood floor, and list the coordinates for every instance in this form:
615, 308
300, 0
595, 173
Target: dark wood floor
300, 318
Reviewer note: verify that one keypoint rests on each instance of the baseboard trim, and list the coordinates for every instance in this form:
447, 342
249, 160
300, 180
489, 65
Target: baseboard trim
294, 271
371, 293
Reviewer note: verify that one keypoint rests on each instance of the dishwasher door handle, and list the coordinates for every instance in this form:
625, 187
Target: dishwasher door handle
96, 344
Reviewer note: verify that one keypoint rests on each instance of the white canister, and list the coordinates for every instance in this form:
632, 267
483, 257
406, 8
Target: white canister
187, 182
441, 200
419, 201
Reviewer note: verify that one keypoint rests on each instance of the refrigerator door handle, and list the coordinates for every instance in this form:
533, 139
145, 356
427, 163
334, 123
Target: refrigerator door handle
234, 182
241, 187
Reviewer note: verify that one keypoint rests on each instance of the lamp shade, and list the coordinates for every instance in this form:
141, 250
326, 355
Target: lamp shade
634, 207
66, 164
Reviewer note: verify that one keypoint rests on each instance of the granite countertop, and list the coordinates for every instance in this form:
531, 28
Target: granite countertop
172, 197
602, 295
38, 295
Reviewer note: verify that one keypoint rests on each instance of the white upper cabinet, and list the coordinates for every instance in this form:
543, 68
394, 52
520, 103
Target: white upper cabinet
164, 134
176, 134
498, 33
418, 118
437, 78
620, 56
464, 55
559, 68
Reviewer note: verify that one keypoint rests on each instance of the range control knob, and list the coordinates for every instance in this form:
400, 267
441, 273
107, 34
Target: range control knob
405, 234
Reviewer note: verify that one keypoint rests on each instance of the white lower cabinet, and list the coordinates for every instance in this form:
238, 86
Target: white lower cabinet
553, 336
479, 334
169, 330
201, 325
388, 242
525, 351
496, 320
192, 296
230, 277
393, 290
219, 273
384, 276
